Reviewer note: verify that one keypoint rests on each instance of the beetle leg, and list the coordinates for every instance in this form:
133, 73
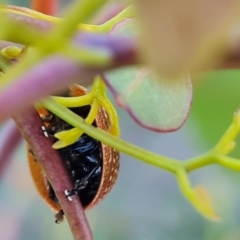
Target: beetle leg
31, 152
80, 184
48, 118
45, 131
59, 216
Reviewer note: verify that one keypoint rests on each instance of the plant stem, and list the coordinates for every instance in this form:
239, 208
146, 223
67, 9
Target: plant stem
165, 163
29, 123
228, 162
199, 161
79, 12
124, 14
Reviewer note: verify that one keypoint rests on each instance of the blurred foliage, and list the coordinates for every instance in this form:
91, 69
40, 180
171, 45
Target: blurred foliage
24, 3
215, 98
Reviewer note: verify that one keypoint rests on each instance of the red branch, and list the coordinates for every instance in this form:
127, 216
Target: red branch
29, 123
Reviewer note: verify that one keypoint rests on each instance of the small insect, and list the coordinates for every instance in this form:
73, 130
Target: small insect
92, 166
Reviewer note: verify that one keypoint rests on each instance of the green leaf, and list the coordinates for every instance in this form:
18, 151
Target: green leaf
203, 203
152, 101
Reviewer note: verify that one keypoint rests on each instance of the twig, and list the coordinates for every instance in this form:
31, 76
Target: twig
29, 123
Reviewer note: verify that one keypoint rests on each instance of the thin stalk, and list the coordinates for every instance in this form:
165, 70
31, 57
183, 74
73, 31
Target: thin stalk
165, 163
29, 124
198, 162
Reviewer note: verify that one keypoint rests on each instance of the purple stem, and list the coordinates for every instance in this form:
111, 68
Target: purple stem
29, 123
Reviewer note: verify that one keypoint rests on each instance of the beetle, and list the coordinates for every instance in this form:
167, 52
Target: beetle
93, 166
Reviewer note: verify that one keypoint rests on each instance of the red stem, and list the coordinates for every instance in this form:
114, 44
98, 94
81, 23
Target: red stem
29, 123
48, 7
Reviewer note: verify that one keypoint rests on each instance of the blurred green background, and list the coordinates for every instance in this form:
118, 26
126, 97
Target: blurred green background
145, 203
